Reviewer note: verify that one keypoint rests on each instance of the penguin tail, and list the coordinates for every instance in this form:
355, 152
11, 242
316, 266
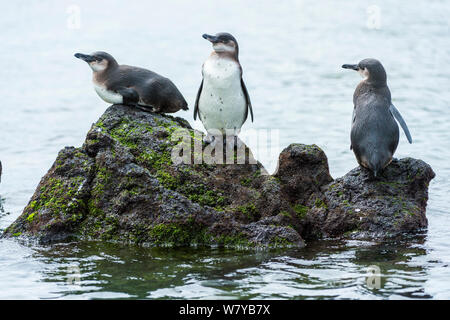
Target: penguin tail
376, 169
376, 164
183, 105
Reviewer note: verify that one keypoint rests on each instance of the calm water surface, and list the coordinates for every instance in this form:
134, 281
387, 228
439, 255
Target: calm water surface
291, 53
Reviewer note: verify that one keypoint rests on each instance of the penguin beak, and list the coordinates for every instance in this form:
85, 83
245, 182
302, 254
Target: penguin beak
351, 66
85, 57
210, 38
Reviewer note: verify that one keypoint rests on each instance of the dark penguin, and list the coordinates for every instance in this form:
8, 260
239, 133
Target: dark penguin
374, 135
222, 102
122, 84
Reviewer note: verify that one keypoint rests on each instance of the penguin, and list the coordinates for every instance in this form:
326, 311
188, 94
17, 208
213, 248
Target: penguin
222, 101
374, 134
122, 84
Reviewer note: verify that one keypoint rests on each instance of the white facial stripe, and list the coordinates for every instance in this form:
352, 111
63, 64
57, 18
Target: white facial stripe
98, 66
221, 47
364, 73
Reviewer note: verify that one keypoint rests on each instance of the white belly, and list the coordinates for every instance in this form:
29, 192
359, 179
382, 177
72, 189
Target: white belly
222, 102
107, 95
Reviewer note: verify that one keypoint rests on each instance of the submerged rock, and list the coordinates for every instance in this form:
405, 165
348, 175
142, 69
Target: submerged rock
123, 185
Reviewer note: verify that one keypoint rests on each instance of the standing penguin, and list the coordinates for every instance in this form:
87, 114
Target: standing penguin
222, 102
374, 134
122, 84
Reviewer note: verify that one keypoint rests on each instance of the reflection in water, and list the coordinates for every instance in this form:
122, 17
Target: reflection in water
324, 270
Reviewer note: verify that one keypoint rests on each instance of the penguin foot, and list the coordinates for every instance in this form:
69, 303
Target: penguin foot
208, 139
369, 175
144, 108
213, 143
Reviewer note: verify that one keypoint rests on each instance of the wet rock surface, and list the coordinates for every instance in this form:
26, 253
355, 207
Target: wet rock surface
123, 185
358, 206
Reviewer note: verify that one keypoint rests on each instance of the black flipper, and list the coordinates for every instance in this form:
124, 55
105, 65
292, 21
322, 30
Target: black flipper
247, 99
130, 96
196, 101
400, 120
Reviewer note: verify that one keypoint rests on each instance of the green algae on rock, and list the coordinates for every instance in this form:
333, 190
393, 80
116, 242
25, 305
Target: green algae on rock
360, 207
124, 185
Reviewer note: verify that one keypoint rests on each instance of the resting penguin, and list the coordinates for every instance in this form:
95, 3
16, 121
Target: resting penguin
122, 84
222, 102
374, 134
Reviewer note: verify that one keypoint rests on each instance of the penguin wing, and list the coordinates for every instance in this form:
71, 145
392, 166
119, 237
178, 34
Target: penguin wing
247, 99
353, 120
196, 101
129, 95
400, 120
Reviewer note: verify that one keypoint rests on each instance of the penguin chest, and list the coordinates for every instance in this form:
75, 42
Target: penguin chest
108, 95
222, 103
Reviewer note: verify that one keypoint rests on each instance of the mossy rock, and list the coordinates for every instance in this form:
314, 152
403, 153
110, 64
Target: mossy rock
122, 185
127, 184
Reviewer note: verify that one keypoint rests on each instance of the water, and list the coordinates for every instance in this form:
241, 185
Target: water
291, 53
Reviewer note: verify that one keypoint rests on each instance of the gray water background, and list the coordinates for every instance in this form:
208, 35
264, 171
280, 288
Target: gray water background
291, 53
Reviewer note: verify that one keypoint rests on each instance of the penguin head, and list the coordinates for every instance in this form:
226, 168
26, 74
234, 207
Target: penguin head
223, 42
98, 61
370, 69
